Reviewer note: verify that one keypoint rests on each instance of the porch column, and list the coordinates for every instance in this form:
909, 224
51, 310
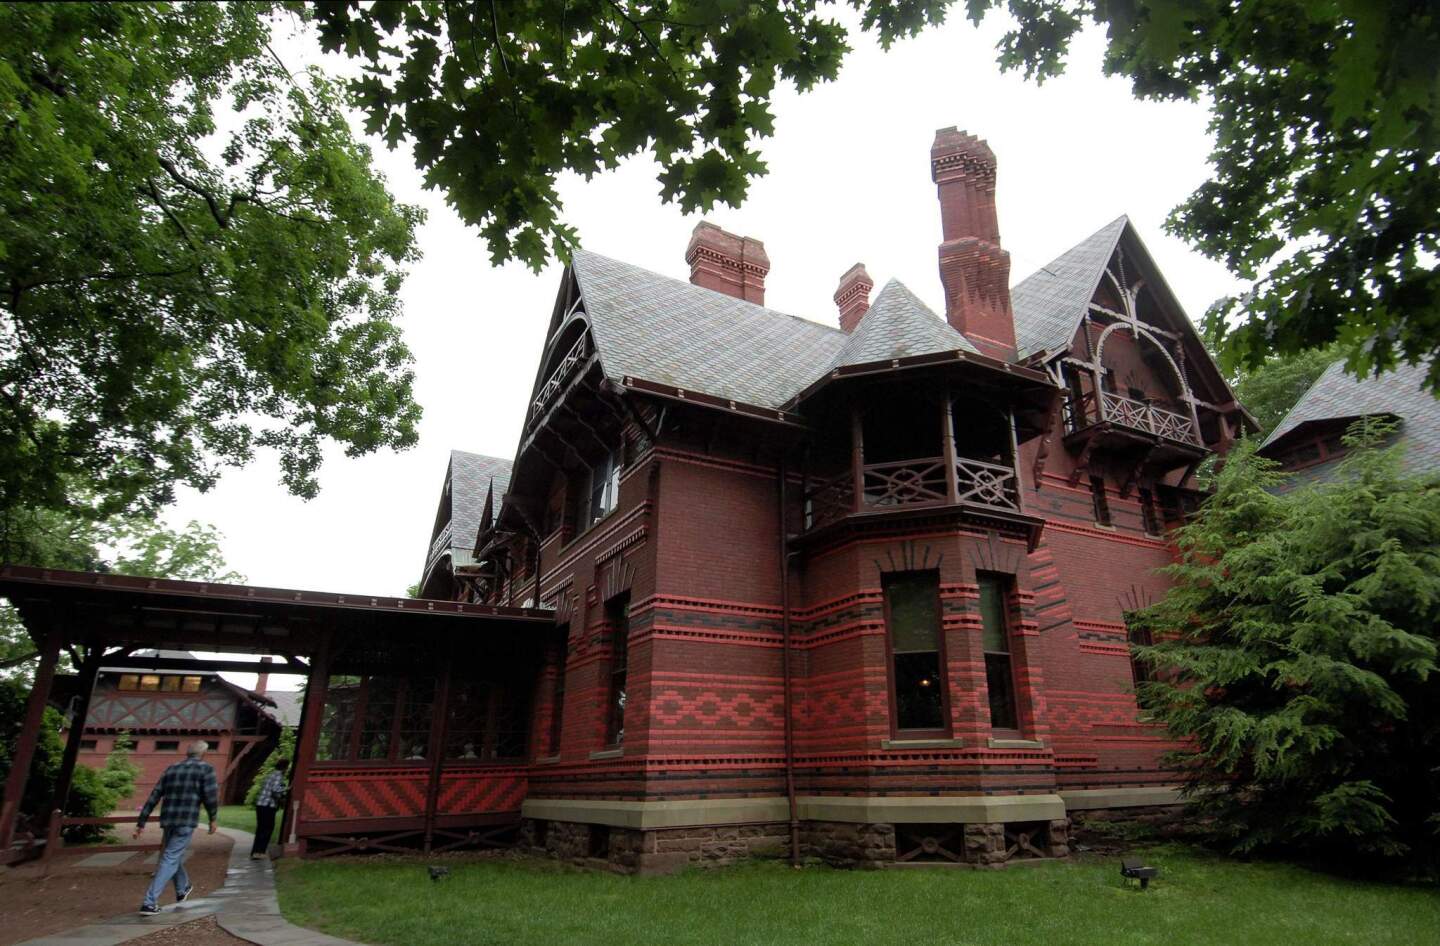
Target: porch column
308, 739
29, 734
439, 722
1015, 461
857, 457
88, 671
947, 445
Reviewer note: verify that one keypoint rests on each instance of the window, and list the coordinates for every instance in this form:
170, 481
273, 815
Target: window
190, 685
150, 682
337, 726
129, 681
1150, 513
618, 616
603, 490
912, 609
1098, 498
167, 745
1140, 671
88, 745
995, 637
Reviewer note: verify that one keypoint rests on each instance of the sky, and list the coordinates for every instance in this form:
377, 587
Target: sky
848, 182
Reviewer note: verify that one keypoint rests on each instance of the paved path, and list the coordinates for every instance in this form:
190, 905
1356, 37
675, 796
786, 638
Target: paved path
245, 906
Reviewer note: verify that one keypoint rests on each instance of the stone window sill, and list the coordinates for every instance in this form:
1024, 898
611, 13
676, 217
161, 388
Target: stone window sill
606, 754
1016, 744
922, 743
547, 760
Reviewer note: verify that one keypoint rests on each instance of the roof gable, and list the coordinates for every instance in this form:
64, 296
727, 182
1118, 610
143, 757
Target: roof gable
471, 476
1049, 304
667, 330
898, 325
1336, 396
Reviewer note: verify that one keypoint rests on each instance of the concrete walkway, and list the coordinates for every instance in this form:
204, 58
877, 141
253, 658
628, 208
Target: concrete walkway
245, 906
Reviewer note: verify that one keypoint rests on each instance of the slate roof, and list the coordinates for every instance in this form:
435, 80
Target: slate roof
897, 325
1049, 303
286, 710
470, 478
1336, 396
669, 331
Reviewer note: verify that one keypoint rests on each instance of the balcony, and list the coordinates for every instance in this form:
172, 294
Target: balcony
1117, 410
913, 484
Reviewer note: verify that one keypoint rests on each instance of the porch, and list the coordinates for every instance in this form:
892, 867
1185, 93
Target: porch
396, 749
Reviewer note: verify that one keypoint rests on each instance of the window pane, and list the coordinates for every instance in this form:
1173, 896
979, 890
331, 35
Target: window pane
379, 720
338, 721
914, 613
469, 706
619, 657
918, 700
192, 685
129, 681
415, 718
512, 719
992, 616
170, 684
150, 681
1002, 691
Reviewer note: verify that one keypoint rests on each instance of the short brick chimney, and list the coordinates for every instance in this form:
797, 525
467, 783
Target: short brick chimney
853, 296
725, 262
262, 679
974, 270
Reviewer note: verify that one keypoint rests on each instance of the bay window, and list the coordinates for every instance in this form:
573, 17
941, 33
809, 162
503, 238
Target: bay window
917, 677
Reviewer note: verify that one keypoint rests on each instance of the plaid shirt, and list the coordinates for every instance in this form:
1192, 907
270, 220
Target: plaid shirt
185, 786
271, 791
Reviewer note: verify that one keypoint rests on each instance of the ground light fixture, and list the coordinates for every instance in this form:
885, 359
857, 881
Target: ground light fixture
1133, 868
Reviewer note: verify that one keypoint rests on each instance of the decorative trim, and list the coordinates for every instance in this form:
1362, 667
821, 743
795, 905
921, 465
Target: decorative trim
633, 539
1108, 534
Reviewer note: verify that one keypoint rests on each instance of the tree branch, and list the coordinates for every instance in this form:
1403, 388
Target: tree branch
197, 189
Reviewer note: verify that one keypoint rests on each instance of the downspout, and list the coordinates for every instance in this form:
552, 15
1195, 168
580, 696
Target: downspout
785, 674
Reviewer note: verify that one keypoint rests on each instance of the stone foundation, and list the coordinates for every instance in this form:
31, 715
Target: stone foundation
846, 844
654, 852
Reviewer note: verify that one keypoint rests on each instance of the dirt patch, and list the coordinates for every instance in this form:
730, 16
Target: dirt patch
39, 901
204, 932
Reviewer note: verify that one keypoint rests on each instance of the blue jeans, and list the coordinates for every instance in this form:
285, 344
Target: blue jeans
172, 864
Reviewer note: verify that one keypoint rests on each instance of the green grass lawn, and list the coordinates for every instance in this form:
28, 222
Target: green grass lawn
1200, 899
239, 817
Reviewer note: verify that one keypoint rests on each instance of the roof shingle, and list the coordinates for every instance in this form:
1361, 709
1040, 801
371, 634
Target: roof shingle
1049, 303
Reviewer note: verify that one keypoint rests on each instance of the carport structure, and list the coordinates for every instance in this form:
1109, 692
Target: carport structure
416, 719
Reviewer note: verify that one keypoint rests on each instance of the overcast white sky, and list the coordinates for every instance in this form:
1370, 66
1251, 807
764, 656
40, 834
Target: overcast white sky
849, 181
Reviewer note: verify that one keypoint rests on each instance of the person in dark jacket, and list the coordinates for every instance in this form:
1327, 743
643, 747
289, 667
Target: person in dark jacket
184, 788
271, 797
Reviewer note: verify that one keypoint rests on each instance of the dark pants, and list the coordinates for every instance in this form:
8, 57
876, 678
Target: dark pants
264, 827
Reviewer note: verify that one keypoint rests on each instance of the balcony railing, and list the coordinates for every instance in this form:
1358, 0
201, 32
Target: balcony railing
562, 371
1128, 412
912, 483
441, 541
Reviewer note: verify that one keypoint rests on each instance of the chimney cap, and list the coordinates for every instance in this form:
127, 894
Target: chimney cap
953, 147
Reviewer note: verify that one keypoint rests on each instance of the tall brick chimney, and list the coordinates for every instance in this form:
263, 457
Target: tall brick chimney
262, 679
974, 270
853, 296
725, 262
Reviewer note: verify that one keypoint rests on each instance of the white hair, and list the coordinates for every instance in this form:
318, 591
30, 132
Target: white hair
197, 748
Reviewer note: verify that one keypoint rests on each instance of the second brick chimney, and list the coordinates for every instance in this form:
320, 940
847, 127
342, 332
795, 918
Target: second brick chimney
262, 679
853, 296
725, 262
974, 270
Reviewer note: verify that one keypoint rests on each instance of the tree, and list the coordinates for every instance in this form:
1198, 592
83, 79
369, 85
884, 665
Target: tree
1297, 654
284, 750
180, 282
1325, 188
1268, 390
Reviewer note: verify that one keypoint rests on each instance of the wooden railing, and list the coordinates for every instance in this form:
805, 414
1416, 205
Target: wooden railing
562, 371
1129, 412
911, 483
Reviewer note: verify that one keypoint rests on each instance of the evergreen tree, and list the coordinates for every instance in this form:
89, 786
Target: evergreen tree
1297, 656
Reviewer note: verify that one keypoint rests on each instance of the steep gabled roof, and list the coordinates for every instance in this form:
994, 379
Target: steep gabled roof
898, 325
471, 475
666, 330
1336, 397
1049, 304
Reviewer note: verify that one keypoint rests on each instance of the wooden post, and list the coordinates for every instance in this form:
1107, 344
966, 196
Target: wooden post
88, 671
29, 735
947, 449
1015, 461
857, 457
440, 718
307, 741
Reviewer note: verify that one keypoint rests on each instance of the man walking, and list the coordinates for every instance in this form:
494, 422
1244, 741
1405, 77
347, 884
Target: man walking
271, 797
184, 787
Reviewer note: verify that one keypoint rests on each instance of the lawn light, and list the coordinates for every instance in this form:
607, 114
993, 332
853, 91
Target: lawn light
1132, 868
